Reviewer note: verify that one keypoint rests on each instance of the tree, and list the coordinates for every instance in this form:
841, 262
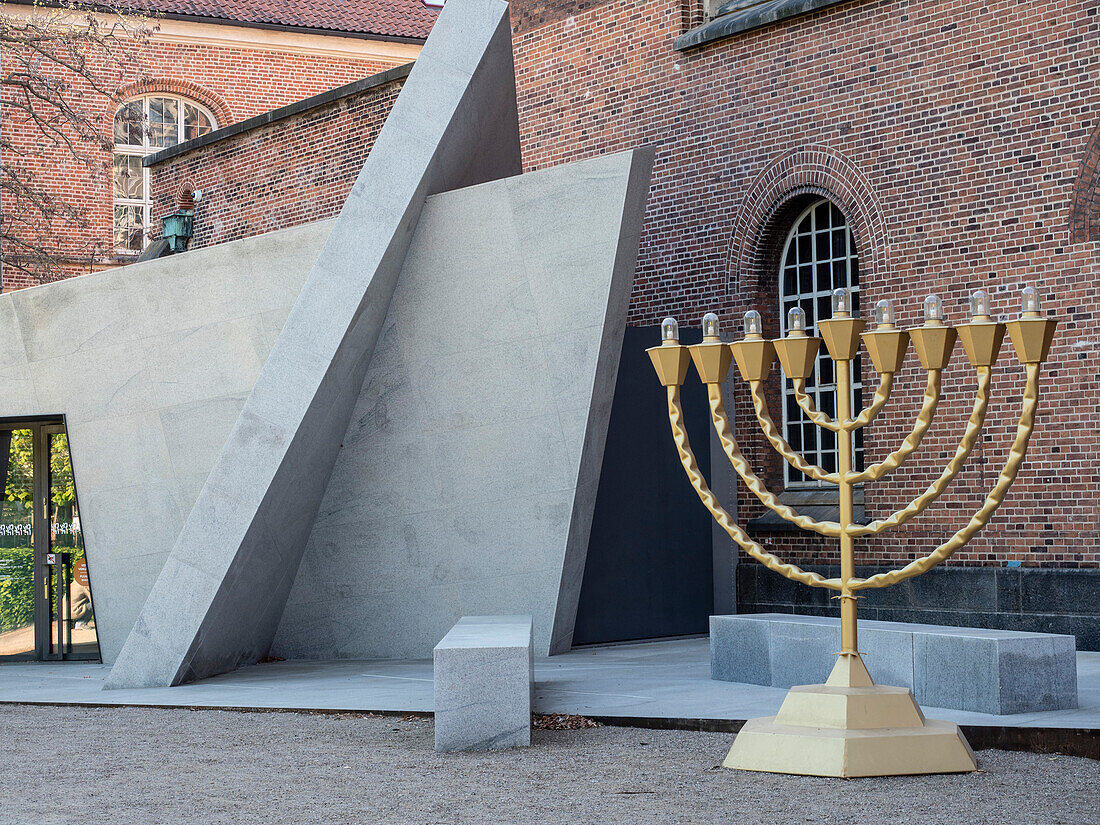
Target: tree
60, 69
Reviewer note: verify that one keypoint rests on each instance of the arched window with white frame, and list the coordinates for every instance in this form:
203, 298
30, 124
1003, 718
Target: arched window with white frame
142, 126
819, 255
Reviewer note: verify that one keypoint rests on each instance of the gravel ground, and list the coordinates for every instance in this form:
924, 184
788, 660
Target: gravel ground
153, 767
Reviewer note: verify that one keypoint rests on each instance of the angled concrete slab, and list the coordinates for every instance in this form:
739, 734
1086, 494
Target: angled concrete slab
218, 600
468, 474
150, 365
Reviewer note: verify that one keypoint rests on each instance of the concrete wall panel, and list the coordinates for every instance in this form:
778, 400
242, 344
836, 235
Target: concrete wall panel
466, 482
150, 365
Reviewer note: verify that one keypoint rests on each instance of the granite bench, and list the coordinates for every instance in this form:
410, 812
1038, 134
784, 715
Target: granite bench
987, 671
483, 681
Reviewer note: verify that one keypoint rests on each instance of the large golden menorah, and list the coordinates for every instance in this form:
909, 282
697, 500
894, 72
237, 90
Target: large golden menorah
850, 726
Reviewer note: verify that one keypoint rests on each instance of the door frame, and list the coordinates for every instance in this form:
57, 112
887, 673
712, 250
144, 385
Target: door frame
43, 426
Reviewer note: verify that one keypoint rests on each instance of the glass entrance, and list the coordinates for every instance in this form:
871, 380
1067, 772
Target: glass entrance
45, 595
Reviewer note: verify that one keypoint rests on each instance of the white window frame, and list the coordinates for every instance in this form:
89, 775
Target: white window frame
143, 149
843, 271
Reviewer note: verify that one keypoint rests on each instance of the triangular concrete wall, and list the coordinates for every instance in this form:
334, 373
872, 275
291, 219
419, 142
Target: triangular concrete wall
468, 475
219, 598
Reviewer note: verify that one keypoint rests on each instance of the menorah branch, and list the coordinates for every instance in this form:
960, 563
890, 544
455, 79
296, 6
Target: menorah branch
935, 490
752, 481
812, 412
780, 444
992, 501
723, 518
913, 440
882, 395
866, 416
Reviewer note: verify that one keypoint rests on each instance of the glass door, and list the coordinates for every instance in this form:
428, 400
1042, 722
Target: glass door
46, 608
17, 556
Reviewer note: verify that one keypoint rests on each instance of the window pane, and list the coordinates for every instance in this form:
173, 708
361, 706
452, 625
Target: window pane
790, 259
128, 124
790, 279
195, 123
840, 273
792, 408
805, 249
129, 180
796, 438
840, 243
805, 279
163, 122
809, 437
129, 227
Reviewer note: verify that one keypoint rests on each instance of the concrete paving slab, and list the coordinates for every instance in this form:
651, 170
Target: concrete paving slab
648, 680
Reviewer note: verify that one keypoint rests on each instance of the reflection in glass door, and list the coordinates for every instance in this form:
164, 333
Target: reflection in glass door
17, 562
45, 594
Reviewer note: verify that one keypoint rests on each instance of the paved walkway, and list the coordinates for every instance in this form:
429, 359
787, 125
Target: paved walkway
650, 680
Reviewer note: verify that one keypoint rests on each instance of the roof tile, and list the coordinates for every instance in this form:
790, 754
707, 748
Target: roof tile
388, 18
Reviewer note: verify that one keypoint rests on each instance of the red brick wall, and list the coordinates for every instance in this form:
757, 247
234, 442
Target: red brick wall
234, 83
953, 135
292, 171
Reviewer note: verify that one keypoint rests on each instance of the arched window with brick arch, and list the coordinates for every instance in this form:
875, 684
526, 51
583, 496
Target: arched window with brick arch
143, 125
819, 255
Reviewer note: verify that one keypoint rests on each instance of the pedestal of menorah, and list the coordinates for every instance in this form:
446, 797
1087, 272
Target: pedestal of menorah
848, 727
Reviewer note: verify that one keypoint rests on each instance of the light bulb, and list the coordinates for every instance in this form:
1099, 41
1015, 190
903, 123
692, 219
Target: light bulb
796, 320
1030, 303
884, 313
670, 331
754, 324
842, 302
933, 310
980, 306
710, 327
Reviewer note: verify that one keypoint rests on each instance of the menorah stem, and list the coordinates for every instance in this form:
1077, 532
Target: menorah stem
848, 635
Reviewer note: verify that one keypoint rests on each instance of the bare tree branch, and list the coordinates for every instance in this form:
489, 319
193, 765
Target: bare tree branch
60, 72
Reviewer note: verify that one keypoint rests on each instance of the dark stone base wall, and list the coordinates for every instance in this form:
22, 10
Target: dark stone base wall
1033, 599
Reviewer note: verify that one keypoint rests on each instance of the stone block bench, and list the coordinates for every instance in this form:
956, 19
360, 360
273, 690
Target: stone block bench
483, 680
987, 671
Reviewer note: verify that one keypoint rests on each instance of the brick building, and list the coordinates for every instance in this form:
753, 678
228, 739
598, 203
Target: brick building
206, 66
894, 147
912, 146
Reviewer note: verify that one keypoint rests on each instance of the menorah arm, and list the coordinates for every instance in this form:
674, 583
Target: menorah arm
882, 395
913, 440
812, 412
779, 443
935, 490
752, 481
992, 501
691, 467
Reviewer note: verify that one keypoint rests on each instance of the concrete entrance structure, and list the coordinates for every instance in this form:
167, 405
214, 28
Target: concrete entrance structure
449, 348
150, 365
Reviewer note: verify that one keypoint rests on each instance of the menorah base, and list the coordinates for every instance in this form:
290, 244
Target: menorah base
850, 727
